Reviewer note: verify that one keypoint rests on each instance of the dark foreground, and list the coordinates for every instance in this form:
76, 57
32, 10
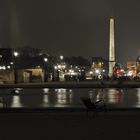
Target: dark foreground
69, 125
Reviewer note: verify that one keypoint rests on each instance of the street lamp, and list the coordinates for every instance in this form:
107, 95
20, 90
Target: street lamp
16, 54
45, 70
45, 59
61, 57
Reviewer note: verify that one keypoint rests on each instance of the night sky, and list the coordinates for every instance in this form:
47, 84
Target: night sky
72, 27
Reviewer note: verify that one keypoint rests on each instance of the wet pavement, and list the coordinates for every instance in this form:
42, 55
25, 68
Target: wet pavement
70, 98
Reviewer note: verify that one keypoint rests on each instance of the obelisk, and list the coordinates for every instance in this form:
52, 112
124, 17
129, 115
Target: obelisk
111, 47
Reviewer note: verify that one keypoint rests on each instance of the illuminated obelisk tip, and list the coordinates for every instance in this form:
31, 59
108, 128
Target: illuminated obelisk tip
111, 47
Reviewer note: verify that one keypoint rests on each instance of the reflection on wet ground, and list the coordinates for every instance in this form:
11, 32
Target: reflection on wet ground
34, 98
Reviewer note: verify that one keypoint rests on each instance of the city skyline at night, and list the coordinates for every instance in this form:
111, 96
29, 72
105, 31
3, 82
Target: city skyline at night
75, 28
69, 69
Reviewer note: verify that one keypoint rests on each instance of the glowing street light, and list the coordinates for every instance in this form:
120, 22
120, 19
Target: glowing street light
2, 68
45, 59
103, 70
61, 57
16, 54
11, 63
8, 67
55, 67
91, 72
97, 71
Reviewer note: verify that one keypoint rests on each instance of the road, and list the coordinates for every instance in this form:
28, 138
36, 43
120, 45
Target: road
74, 84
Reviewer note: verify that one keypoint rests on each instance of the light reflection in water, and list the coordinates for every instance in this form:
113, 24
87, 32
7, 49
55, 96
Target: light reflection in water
117, 96
16, 101
45, 90
60, 90
72, 97
60, 96
16, 91
114, 95
91, 94
100, 94
138, 98
111, 96
45, 99
63, 96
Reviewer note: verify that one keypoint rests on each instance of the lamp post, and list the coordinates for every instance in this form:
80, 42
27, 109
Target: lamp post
45, 70
16, 54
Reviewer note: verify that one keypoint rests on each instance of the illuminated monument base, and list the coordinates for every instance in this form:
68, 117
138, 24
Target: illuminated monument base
111, 65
